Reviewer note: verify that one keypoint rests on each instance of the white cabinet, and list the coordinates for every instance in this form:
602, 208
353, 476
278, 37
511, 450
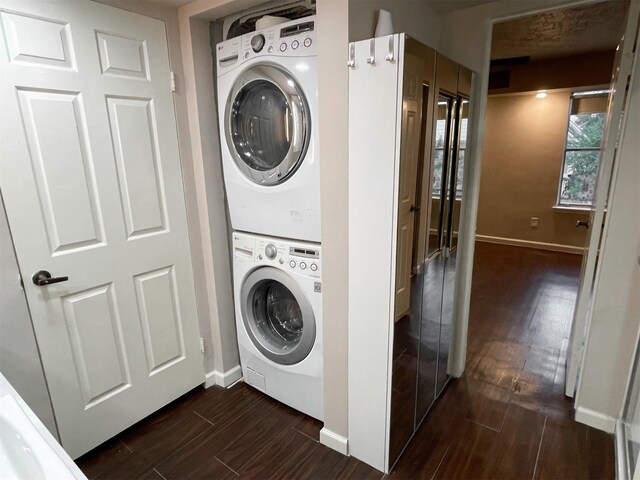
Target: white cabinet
408, 111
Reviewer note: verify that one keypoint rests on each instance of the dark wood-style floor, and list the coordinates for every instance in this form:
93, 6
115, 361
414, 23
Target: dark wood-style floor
506, 418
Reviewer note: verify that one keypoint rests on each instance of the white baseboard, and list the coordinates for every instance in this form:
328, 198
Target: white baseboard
225, 379
621, 453
595, 419
554, 247
334, 441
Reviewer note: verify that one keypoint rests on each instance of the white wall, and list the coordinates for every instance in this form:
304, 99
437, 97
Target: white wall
615, 319
19, 355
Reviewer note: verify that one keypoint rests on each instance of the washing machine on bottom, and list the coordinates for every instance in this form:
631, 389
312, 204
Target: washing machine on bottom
278, 301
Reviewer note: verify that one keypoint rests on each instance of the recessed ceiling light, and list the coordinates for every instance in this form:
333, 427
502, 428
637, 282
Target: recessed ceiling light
541, 94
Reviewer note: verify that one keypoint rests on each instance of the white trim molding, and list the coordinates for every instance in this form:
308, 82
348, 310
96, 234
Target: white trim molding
594, 419
515, 242
621, 452
334, 441
225, 379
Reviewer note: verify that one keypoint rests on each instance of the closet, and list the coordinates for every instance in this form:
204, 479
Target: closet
408, 110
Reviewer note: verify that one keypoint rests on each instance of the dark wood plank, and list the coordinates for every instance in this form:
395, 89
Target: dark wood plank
357, 470
485, 403
572, 450
469, 454
274, 460
94, 462
309, 426
251, 443
229, 437
130, 467
153, 444
515, 451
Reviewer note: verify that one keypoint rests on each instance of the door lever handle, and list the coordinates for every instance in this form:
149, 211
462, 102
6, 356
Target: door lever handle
44, 278
582, 223
414, 208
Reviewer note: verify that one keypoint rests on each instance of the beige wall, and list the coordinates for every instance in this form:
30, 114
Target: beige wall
521, 168
333, 87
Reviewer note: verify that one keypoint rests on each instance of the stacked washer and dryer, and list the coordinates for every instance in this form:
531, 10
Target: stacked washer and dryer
267, 98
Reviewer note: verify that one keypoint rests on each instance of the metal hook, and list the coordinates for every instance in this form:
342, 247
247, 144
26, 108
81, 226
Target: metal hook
372, 52
390, 56
352, 55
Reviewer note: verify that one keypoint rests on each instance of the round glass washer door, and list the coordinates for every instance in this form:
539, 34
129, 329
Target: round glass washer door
277, 316
267, 124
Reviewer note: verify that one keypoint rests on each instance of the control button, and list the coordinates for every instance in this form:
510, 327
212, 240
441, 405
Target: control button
307, 42
292, 264
270, 49
313, 267
257, 42
246, 54
271, 251
283, 47
281, 261
260, 257
295, 44
303, 265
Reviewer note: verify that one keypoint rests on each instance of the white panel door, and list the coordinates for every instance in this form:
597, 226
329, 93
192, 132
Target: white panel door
408, 179
614, 123
90, 173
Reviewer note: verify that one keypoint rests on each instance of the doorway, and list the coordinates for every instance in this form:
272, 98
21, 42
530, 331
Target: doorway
545, 123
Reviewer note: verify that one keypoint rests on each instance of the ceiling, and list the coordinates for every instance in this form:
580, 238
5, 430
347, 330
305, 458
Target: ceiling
441, 6
171, 3
444, 6
560, 33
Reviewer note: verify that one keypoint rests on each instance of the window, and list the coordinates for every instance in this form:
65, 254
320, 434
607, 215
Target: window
582, 149
441, 131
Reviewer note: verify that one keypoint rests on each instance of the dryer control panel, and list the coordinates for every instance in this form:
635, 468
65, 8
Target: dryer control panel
300, 257
292, 39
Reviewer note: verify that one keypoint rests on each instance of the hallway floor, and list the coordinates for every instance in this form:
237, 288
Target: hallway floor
506, 418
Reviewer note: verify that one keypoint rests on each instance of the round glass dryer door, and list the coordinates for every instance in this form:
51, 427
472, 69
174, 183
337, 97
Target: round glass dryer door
267, 124
277, 316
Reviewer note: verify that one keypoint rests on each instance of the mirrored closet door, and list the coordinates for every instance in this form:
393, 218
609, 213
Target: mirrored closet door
408, 113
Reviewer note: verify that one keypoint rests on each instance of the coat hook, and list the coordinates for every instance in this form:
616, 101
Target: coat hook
352, 55
372, 52
390, 56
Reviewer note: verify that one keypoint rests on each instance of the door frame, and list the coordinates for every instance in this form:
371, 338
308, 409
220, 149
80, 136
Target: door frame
589, 280
472, 180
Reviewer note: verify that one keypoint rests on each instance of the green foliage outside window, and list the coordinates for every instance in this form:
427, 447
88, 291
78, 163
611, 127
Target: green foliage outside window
582, 155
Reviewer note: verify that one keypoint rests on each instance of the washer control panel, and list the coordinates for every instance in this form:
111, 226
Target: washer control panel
290, 39
302, 258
